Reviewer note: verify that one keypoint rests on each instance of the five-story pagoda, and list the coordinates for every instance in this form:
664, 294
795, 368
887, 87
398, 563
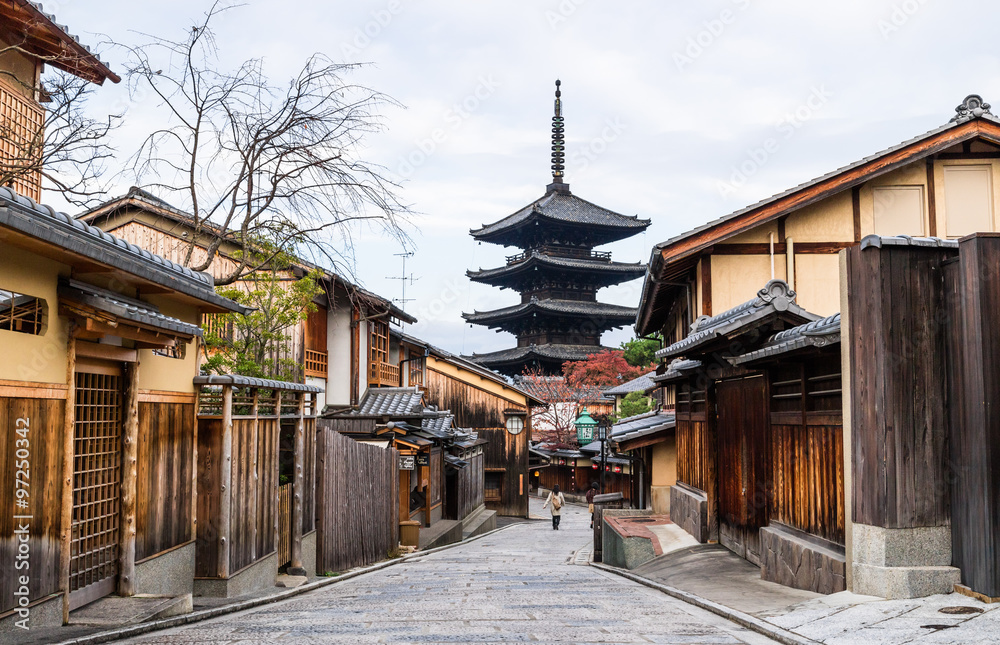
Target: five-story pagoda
557, 273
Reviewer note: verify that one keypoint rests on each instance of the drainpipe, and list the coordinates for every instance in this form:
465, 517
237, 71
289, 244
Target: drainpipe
790, 253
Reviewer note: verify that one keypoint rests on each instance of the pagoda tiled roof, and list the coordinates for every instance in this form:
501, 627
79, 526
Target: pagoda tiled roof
548, 351
601, 310
620, 270
564, 207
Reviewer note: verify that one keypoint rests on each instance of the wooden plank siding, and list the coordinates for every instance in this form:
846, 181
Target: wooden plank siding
697, 457
899, 443
164, 488
357, 508
45, 447
466, 494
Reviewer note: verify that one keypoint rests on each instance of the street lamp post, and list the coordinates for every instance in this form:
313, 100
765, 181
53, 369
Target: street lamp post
602, 433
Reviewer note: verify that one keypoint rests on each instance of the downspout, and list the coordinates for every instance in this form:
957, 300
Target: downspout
790, 253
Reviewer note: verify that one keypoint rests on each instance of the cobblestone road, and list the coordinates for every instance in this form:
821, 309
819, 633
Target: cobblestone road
518, 585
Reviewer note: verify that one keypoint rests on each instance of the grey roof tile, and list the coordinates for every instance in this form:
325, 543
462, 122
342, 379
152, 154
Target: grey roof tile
249, 381
123, 307
819, 333
566, 208
640, 384
391, 401
553, 352
551, 305
536, 258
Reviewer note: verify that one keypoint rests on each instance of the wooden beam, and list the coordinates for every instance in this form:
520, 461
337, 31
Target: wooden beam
130, 453
66, 515
298, 488
763, 248
932, 226
706, 285
107, 352
799, 199
226, 482
856, 210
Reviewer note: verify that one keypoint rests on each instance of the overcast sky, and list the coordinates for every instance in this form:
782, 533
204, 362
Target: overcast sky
679, 112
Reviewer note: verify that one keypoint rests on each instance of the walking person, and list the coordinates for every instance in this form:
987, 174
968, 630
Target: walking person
590, 502
557, 500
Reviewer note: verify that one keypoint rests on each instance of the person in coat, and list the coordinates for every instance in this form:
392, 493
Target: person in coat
558, 501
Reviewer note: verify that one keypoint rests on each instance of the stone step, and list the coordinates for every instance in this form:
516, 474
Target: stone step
114, 611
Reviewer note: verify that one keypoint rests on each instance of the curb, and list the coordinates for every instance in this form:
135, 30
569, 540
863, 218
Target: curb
206, 614
740, 618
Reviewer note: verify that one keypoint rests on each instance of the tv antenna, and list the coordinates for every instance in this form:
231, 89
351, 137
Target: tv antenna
404, 279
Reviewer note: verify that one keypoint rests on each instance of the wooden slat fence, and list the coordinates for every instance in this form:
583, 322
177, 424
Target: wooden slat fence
284, 524
357, 507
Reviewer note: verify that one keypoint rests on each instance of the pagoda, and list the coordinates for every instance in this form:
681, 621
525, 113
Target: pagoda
557, 273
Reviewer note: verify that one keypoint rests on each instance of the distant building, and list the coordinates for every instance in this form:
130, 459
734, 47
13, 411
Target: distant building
557, 273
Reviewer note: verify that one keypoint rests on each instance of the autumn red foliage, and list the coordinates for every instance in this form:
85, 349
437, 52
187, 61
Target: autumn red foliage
604, 369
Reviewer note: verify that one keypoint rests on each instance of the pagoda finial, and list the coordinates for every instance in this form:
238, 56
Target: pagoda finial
558, 145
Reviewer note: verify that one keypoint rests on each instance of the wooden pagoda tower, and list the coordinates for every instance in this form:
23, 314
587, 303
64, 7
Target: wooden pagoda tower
557, 273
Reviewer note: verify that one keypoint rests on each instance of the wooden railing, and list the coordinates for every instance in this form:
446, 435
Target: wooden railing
316, 363
284, 524
383, 374
562, 251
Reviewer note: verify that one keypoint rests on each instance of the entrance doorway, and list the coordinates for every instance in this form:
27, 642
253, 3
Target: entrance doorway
96, 484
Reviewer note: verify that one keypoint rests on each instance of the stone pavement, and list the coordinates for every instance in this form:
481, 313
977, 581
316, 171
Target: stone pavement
517, 585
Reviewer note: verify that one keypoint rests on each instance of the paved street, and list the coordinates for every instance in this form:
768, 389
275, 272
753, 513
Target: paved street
518, 585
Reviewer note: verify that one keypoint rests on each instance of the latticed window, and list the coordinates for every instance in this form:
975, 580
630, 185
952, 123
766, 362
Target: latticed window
417, 371
21, 313
177, 351
21, 123
378, 344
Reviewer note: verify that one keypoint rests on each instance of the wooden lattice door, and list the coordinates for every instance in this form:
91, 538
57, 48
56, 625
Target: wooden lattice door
96, 486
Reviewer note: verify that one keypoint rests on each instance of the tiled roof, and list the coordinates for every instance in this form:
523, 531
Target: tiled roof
878, 241
818, 333
552, 352
123, 307
438, 423
775, 298
642, 425
75, 40
677, 369
249, 381
550, 305
565, 208
536, 259
390, 402
541, 387
59, 229
640, 384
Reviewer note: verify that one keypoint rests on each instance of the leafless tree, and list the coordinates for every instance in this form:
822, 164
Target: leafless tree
61, 146
250, 160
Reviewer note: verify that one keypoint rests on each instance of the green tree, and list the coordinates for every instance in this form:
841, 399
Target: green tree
634, 403
640, 352
249, 344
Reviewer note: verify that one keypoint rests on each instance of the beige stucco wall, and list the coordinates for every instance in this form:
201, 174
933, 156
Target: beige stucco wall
738, 278
27, 357
338, 346
170, 374
831, 220
817, 283
914, 174
760, 234
24, 69
664, 466
941, 201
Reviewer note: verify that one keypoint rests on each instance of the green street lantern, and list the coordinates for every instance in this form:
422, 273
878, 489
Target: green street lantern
585, 425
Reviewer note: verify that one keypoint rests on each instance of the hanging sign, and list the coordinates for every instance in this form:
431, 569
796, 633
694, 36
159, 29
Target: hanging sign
406, 462
423, 460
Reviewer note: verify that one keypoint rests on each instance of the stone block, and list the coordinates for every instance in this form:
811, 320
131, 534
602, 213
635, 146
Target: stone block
689, 510
167, 574
795, 560
895, 583
257, 576
659, 497
927, 546
309, 554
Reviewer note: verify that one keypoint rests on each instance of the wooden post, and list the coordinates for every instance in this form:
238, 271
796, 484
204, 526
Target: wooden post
66, 517
295, 568
130, 452
194, 460
226, 481
254, 479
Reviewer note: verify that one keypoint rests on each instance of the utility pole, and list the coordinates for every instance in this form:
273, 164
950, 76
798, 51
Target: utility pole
403, 278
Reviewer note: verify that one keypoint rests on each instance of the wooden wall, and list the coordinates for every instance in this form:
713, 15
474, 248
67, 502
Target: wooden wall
45, 422
357, 511
807, 447
696, 443
483, 412
165, 484
468, 489
899, 441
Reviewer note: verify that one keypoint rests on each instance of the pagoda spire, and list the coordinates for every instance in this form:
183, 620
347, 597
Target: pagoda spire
558, 146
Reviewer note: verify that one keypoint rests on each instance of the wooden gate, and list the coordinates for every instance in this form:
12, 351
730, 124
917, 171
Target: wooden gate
743, 449
96, 486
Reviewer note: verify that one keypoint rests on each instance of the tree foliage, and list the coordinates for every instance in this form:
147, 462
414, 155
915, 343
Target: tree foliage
604, 369
255, 344
249, 156
634, 403
640, 352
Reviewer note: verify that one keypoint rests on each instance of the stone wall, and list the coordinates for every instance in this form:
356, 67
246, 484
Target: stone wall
799, 561
689, 510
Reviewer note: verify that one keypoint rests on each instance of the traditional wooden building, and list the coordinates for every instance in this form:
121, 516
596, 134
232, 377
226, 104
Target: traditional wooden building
343, 346
100, 340
649, 442
557, 274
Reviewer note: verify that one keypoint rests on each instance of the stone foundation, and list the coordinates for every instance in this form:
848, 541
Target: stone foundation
902, 563
309, 553
689, 510
44, 613
659, 497
796, 559
168, 574
259, 575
